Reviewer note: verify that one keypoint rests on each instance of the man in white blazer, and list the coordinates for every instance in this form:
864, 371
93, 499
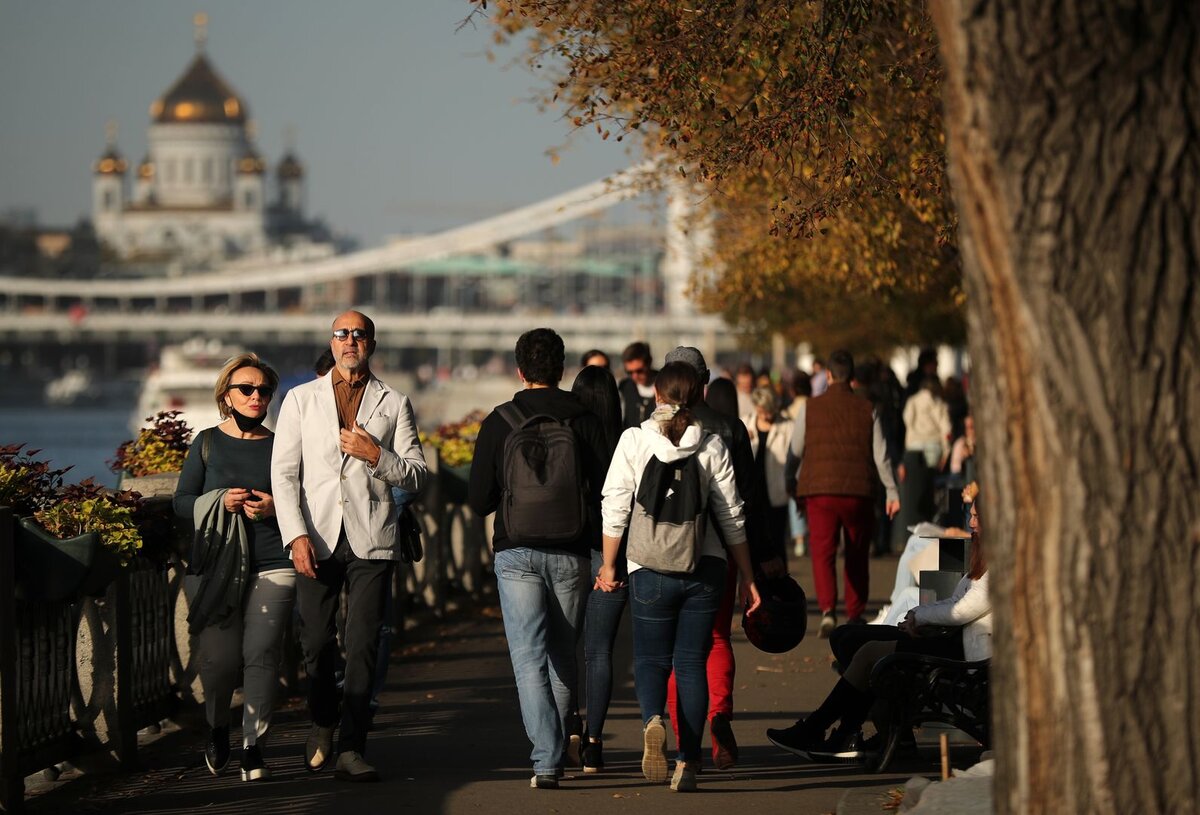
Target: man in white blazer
341, 443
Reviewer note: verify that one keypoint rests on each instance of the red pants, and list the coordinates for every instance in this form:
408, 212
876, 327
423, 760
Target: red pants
827, 516
720, 659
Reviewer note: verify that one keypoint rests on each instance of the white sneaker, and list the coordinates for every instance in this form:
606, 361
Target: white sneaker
684, 779
654, 750
881, 617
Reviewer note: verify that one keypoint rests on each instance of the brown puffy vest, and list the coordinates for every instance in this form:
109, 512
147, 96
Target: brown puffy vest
838, 442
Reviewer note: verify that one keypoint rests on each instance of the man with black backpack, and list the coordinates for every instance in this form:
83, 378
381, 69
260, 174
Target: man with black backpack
540, 465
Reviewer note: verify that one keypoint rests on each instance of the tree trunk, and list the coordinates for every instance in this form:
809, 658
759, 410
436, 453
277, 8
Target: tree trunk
1074, 140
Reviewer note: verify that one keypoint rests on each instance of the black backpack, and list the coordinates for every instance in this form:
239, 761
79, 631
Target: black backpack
545, 492
670, 514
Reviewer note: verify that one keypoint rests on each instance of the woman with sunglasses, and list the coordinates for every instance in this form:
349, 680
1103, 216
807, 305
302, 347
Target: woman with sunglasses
241, 584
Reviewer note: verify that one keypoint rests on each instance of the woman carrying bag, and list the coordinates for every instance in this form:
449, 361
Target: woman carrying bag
669, 483
243, 581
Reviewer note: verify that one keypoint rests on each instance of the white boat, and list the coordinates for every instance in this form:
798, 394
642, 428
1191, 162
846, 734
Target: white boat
71, 387
184, 381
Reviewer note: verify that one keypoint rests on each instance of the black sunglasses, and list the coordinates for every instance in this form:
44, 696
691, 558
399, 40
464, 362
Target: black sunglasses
265, 391
359, 334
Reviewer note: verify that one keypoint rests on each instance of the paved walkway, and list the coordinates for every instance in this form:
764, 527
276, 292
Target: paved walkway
449, 740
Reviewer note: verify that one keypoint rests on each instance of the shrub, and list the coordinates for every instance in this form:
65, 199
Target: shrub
455, 442
27, 485
159, 448
86, 507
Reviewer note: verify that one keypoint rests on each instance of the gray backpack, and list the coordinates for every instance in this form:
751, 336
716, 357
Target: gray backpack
670, 514
545, 493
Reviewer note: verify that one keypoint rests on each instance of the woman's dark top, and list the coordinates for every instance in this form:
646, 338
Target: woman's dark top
234, 463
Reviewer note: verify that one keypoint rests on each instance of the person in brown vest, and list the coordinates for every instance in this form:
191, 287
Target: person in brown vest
840, 454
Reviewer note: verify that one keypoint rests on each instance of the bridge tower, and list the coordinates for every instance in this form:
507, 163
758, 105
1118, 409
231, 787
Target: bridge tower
689, 239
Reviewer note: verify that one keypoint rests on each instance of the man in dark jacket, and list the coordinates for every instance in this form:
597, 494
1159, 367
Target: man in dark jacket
543, 586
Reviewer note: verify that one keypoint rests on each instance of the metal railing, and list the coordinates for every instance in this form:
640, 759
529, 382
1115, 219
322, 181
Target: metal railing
85, 674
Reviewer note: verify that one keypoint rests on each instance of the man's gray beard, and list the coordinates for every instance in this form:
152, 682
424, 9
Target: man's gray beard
354, 368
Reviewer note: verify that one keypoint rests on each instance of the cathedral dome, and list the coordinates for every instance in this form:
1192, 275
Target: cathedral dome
199, 96
145, 170
111, 163
251, 163
290, 167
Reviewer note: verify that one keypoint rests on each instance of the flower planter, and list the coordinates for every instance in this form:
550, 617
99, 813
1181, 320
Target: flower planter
51, 569
151, 485
452, 482
105, 569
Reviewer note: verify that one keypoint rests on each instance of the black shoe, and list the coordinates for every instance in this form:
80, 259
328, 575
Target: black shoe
593, 757
216, 752
547, 781
798, 739
724, 745
253, 766
842, 745
859, 620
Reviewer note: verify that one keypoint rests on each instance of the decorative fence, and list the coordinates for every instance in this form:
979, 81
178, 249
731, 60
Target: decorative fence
87, 673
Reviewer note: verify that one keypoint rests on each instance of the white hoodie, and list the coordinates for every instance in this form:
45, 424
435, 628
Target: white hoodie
637, 445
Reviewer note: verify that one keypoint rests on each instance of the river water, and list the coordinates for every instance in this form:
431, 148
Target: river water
86, 437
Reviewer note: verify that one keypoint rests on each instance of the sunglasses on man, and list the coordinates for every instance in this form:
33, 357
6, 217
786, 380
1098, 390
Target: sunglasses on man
359, 334
265, 391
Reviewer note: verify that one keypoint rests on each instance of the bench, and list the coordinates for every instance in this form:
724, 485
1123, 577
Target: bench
913, 689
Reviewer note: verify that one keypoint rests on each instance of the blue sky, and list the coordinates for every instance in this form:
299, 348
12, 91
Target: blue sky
402, 122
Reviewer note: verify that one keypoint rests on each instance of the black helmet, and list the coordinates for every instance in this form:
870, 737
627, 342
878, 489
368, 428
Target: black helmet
779, 623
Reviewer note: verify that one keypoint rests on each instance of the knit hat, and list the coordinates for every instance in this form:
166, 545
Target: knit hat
692, 356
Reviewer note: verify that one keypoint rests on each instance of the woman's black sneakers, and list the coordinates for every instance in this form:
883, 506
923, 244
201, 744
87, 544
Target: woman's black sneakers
216, 752
593, 757
842, 745
253, 766
798, 739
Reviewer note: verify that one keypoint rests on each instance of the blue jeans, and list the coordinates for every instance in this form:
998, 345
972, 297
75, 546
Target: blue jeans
542, 595
673, 619
904, 575
600, 624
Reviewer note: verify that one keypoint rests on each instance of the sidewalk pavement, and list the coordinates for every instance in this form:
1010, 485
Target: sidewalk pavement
448, 739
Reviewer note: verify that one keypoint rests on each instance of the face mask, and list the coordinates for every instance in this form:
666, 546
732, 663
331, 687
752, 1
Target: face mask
246, 423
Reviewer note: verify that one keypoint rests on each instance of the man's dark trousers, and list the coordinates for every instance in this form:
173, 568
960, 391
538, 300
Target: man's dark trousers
366, 584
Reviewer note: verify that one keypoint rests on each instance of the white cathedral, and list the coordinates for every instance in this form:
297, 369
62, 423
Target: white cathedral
201, 195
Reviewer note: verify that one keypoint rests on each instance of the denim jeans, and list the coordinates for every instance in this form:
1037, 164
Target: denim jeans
600, 624
673, 619
904, 576
542, 594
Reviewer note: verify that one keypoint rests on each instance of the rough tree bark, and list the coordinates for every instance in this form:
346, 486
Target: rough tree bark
1074, 140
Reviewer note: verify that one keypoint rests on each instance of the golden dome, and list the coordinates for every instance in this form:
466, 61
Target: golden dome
145, 170
200, 95
111, 163
251, 163
290, 167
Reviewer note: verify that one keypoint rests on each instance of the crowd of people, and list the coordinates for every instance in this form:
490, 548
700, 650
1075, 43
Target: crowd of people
676, 492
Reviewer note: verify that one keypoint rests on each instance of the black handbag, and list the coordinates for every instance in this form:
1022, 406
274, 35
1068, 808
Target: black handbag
408, 530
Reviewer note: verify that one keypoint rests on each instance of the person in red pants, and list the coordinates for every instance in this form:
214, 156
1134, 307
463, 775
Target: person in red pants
840, 455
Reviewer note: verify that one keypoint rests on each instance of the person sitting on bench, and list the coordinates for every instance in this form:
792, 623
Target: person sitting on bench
858, 648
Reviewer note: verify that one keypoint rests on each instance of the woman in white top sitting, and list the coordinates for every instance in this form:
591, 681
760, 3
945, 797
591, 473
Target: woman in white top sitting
673, 605
969, 614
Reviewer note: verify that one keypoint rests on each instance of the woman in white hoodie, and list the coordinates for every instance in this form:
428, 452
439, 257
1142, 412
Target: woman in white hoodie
673, 610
